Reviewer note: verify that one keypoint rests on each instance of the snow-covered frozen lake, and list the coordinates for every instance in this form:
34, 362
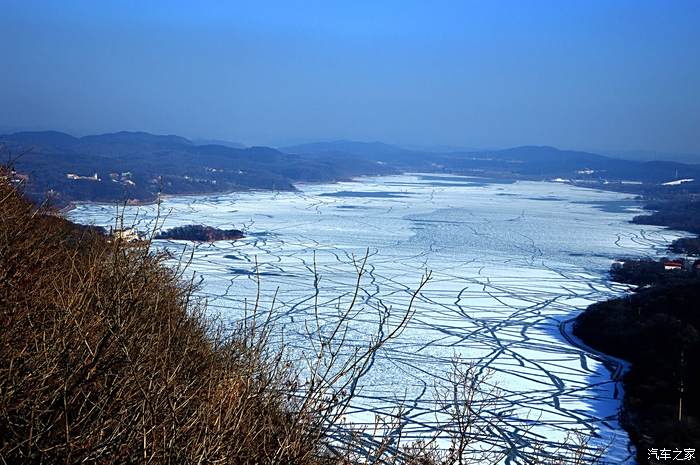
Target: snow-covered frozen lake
510, 262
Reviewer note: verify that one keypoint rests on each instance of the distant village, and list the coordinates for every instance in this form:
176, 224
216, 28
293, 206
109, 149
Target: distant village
669, 264
650, 271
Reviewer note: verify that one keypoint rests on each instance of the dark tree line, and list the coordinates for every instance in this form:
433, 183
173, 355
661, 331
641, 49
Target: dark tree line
657, 330
200, 233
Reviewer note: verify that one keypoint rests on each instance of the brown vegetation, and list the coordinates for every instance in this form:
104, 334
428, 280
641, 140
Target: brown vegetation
107, 358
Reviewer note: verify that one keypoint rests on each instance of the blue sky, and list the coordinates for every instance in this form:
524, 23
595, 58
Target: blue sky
616, 75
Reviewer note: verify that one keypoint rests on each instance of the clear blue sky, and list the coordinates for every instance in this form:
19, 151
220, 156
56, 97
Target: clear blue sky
575, 74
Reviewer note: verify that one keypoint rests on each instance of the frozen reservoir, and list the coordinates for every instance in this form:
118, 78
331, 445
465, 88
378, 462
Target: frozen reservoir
510, 263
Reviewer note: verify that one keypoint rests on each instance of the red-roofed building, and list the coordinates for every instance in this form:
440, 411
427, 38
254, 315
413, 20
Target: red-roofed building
673, 265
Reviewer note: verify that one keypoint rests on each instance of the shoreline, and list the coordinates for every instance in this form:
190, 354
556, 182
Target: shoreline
617, 368
636, 197
138, 203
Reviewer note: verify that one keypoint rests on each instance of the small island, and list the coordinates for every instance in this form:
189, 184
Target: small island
199, 233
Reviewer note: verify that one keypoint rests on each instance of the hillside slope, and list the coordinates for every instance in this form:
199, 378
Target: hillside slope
136, 165
106, 357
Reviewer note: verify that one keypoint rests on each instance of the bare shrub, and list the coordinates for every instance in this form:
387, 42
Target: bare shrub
107, 357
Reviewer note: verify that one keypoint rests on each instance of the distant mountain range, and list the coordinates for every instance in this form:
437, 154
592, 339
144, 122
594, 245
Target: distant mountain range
532, 162
363, 149
137, 165
225, 143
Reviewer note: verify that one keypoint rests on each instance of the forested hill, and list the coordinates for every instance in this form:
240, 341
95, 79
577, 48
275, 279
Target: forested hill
138, 165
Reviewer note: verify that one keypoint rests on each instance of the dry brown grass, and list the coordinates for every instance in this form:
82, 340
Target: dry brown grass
105, 357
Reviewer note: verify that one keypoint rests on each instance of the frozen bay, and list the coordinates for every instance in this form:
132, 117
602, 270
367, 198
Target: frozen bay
511, 262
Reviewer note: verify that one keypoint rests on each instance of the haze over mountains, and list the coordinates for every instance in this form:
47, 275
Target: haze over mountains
652, 155
138, 165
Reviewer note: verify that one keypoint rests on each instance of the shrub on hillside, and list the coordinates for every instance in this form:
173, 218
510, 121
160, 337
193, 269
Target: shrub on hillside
106, 357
